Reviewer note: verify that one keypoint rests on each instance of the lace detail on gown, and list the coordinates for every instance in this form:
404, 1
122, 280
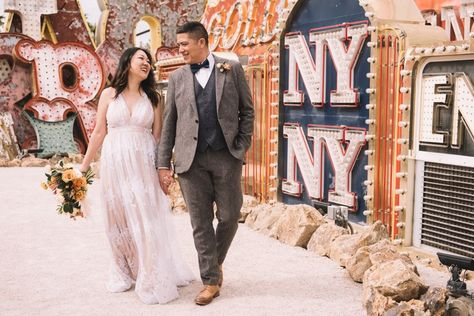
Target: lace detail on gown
138, 223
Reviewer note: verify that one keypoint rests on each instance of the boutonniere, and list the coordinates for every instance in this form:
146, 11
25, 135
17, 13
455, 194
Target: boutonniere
223, 66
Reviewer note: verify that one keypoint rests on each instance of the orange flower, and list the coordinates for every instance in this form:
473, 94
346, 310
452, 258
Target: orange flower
68, 175
44, 185
80, 195
79, 183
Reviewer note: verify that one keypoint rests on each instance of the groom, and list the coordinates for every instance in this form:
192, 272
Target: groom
208, 119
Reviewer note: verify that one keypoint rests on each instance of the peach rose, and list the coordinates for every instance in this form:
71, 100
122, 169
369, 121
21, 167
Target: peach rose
68, 175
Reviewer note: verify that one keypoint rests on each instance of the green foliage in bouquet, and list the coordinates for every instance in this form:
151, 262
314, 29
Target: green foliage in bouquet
70, 187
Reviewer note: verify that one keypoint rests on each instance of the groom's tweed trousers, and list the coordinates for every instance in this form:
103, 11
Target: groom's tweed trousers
213, 176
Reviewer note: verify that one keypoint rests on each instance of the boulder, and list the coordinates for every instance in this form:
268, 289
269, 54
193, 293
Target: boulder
55, 159
3, 162
263, 217
367, 256
176, 198
392, 279
247, 206
320, 242
359, 263
179, 206
76, 158
344, 247
379, 304
435, 300
13, 163
410, 308
376, 232
297, 224
32, 161
461, 306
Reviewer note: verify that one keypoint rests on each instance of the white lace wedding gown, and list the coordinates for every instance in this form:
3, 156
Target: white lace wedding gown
138, 223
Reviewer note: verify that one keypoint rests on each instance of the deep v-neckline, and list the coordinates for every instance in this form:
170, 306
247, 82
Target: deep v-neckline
131, 112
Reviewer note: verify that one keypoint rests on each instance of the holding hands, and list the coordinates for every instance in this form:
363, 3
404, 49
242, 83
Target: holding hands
166, 179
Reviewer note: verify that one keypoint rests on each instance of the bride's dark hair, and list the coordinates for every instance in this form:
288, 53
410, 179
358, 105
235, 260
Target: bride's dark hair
120, 79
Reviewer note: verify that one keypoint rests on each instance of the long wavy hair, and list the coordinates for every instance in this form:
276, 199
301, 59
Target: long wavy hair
120, 79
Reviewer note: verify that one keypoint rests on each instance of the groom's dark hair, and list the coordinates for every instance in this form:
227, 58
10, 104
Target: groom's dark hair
195, 29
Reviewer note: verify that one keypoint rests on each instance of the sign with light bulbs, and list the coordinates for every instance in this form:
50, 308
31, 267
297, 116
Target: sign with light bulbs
324, 84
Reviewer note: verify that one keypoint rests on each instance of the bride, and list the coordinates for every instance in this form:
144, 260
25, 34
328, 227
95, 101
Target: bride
137, 212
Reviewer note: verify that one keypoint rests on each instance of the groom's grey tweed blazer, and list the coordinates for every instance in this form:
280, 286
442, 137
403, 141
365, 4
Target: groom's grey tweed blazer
180, 120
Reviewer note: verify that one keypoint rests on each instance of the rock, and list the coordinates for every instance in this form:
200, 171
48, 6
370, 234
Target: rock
435, 300
14, 163
249, 201
344, 247
55, 159
367, 256
3, 162
297, 224
76, 158
32, 161
264, 216
179, 206
393, 279
376, 232
247, 206
176, 198
379, 304
410, 308
359, 263
461, 306
323, 237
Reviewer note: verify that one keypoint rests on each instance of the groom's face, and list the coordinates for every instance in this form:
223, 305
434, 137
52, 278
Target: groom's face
193, 50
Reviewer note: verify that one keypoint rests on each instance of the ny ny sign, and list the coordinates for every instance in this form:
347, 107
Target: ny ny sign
344, 43
342, 145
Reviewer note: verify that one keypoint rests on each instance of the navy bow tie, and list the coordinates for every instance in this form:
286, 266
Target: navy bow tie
195, 67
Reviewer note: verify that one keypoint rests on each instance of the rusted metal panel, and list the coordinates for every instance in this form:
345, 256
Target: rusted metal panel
69, 23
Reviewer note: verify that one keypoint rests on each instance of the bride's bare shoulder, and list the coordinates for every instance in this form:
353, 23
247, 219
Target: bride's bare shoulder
108, 92
107, 95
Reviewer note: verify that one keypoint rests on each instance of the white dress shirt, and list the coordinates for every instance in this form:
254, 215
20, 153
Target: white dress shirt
203, 74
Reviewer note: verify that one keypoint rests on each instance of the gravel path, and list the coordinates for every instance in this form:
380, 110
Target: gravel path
51, 265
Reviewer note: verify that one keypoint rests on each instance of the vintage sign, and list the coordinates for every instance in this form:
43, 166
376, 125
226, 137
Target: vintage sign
30, 13
67, 77
324, 67
446, 115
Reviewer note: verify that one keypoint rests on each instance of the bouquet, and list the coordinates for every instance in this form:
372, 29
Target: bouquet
70, 187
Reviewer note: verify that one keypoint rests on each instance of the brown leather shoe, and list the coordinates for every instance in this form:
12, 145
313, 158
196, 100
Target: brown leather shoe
207, 294
221, 276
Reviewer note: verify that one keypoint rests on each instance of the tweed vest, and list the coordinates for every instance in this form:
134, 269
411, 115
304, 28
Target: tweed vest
210, 132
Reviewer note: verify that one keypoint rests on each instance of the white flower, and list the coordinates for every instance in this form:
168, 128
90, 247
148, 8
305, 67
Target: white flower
223, 66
